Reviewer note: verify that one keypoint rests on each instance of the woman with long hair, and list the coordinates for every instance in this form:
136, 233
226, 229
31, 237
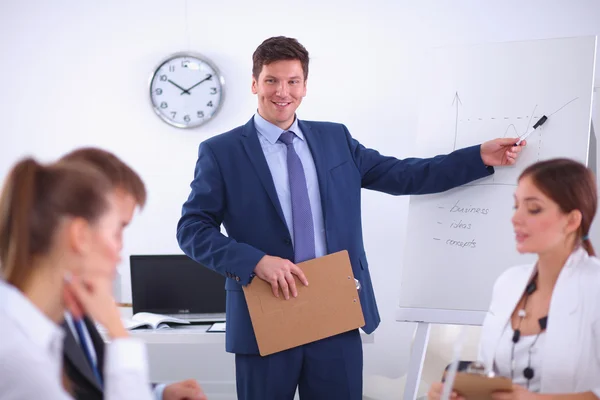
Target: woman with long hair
59, 247
542, 329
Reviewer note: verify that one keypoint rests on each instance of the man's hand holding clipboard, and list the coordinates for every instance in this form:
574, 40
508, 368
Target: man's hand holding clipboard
329, 306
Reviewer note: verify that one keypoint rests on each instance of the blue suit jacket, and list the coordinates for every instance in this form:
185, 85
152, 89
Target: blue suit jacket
233, 186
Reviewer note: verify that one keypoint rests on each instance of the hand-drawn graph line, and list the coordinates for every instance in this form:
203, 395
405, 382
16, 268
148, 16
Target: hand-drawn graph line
513, 128
563, 106
526, 126
530, 118
457, 102
537, 117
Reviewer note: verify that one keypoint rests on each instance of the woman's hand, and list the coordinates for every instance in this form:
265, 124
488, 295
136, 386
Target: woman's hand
435, 392
94, 297
518, 393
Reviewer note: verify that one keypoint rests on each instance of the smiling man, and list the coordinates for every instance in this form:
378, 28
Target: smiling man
287, 191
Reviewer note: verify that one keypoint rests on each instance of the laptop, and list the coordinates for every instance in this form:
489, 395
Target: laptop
177, 286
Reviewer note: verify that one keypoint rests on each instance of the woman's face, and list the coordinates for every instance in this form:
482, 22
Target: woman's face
539, 224
106, 237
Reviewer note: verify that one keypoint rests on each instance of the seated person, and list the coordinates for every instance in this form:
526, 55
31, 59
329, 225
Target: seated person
83, 346
59, 225
542, 329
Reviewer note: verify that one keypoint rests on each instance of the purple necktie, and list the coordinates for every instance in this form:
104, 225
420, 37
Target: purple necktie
304, 233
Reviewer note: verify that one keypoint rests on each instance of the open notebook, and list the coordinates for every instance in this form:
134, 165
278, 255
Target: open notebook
152, 321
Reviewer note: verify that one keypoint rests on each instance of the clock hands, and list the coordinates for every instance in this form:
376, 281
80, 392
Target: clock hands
208, 77
187, 91
184, 90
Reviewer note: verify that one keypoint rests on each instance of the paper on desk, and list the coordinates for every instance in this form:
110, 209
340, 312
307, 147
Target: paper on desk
217, 327
151, 321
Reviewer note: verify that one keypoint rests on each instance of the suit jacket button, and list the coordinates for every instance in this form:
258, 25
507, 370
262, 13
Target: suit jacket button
237, 278
287, 241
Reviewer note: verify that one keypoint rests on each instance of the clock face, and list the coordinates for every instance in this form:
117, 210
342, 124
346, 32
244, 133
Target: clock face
186, 90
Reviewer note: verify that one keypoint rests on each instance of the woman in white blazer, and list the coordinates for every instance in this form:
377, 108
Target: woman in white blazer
60, 242
542, 329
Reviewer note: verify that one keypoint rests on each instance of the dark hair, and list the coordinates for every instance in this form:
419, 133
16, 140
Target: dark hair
119, 174
276, 49
34, 200
572, 186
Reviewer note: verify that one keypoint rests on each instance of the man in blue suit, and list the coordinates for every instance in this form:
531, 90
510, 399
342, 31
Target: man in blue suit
286, 191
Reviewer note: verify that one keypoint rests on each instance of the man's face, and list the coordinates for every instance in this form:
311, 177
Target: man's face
280, 88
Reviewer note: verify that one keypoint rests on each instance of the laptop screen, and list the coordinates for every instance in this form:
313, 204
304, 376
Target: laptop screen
175, 284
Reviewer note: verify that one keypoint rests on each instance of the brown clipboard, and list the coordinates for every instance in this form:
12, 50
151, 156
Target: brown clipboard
479, 387
329, 305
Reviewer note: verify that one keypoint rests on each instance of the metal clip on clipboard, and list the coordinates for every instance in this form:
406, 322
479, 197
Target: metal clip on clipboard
479, 369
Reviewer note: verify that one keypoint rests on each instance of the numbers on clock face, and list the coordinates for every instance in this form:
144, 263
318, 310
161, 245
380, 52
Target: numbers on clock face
186, 91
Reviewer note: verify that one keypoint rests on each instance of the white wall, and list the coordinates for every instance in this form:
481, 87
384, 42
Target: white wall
76, 73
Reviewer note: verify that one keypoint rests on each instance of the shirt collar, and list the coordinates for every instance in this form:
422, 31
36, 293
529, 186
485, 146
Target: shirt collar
272, 132
41, 330
577, 256
71, 325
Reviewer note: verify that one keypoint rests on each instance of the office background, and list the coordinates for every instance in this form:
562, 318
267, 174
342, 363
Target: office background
76, 73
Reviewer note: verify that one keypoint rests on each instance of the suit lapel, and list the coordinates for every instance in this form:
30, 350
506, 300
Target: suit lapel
563, 323
75, 355
563, 327
98, 344
317, 151
258, 160
504, 308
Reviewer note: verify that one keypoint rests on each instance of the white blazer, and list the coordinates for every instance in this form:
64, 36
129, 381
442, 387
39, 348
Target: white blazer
571, 350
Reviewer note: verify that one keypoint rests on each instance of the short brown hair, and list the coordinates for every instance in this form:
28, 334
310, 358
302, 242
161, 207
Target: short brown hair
572, 186
34, 200
121, 175
276, 49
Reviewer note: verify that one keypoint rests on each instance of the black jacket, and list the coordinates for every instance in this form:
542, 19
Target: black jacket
85, 386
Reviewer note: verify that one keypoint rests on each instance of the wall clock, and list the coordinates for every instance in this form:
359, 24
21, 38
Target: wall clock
186, 90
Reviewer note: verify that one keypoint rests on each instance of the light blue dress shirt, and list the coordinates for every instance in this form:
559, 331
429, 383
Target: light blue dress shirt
276, 155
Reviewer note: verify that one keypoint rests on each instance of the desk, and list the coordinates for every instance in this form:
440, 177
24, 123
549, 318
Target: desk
190, 352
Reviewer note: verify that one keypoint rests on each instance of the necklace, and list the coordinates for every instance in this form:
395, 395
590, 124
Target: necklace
528, 372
